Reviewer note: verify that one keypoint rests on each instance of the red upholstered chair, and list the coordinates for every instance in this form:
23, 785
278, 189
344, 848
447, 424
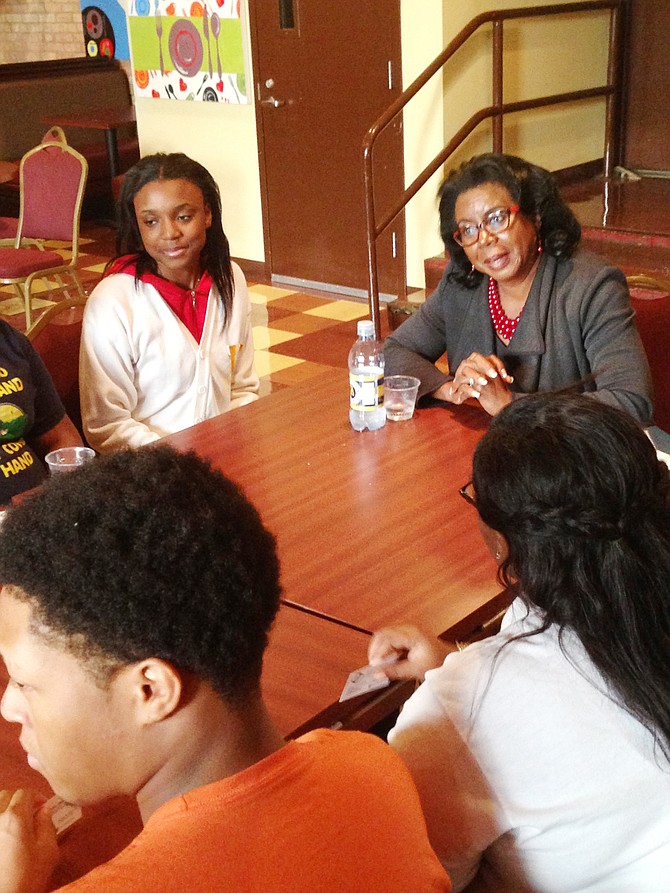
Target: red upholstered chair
56, 336
650, 297
10, 225
52, 178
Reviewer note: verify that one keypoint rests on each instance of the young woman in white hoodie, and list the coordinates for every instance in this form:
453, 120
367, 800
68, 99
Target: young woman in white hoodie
167, 338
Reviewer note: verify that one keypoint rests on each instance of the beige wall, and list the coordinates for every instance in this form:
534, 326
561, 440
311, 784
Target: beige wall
37, 30
422, 40
542, 56
223, 138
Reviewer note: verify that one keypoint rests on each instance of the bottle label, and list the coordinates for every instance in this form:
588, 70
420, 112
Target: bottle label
366, 391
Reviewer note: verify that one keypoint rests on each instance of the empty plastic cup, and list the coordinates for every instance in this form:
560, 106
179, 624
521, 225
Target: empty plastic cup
68, 458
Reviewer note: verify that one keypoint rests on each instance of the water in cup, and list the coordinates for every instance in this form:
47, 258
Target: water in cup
400, 396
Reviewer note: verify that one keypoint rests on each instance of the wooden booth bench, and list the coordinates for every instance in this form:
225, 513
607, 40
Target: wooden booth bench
32, 92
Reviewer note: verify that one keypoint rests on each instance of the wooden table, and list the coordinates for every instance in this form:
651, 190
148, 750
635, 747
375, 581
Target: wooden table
370, 527
108, 120
305, 668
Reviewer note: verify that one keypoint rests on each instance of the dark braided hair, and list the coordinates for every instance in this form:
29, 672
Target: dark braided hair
533, 188
576, 489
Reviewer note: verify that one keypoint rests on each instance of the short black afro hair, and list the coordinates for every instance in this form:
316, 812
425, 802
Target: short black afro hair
149, 553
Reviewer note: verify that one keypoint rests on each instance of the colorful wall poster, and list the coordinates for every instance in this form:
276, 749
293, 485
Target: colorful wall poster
188, 50
105, 29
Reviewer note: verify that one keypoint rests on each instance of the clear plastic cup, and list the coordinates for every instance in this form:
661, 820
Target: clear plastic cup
400, 397
68, 458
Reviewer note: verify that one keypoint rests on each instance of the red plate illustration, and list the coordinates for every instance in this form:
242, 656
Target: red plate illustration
185, 46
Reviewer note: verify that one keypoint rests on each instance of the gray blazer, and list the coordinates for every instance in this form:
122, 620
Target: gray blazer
577, 322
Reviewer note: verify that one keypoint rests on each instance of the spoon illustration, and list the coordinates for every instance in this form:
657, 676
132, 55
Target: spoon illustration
216, 30
170, 92
205, 31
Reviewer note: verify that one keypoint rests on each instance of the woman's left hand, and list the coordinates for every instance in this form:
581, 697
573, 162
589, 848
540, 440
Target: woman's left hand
484, 379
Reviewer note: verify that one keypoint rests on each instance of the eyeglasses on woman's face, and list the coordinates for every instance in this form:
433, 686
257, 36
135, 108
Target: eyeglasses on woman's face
495, 221
468, 493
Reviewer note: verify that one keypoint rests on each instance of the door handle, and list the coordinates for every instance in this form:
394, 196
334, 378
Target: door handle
275, 103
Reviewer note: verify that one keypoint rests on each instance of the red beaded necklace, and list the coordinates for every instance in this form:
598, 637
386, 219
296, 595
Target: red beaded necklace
504, 326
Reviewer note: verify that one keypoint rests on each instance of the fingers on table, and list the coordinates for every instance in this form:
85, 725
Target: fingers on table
475, 373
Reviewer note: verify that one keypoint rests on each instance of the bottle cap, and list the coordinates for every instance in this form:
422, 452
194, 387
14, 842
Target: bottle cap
365, 328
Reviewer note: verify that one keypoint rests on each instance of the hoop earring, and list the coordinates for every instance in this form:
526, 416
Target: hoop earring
472, 269
498, 554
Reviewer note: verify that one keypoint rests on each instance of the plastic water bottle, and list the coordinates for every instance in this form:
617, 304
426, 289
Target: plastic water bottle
366, 380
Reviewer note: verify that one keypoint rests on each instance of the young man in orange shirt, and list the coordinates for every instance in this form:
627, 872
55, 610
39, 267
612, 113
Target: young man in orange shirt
138, 593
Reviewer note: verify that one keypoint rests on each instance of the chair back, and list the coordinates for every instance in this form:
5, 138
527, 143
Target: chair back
54, 134
56, 336
651, 301
52, 180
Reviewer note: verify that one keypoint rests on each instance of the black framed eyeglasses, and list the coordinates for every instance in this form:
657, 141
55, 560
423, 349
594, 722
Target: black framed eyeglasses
466, 493
495, 221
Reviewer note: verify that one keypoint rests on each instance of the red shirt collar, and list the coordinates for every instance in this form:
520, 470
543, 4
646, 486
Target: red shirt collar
188, 305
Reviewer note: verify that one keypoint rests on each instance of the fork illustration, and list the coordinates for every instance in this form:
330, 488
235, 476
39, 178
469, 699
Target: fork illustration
159, 35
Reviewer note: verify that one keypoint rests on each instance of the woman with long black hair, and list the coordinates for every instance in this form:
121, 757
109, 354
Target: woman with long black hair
542, 754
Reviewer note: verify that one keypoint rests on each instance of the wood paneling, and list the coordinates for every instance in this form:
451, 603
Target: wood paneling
647, 117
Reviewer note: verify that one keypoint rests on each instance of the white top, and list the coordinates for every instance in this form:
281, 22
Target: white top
142, 373
519, 755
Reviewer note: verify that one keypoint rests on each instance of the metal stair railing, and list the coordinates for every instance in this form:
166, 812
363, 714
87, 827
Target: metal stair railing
611, 91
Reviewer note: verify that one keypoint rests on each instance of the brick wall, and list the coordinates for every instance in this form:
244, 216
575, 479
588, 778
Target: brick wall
36, 30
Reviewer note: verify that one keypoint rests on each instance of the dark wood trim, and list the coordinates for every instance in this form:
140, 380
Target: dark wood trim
366, 711
625, 62
20, 71
256, 270
482, 622
646, 119
578, 172
260, 134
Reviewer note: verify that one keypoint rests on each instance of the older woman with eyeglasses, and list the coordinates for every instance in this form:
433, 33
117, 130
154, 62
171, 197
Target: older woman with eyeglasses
542, 754
520, 308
